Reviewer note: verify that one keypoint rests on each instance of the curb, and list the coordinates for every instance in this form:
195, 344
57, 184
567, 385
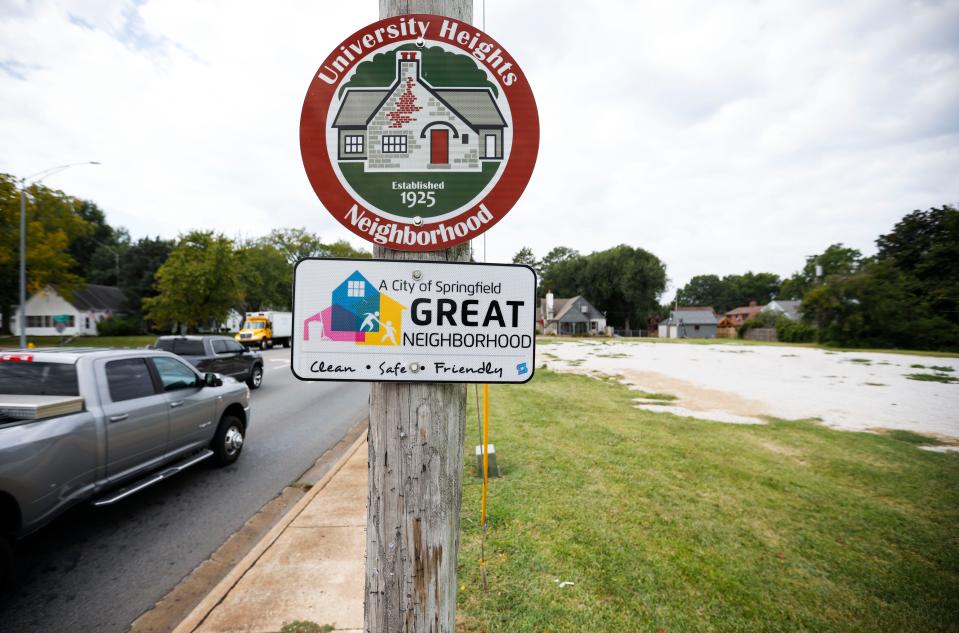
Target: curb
196, 617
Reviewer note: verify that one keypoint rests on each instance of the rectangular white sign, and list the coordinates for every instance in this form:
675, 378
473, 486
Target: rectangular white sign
409, 321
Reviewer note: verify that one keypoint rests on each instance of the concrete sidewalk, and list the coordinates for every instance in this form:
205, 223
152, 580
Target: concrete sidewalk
310, 566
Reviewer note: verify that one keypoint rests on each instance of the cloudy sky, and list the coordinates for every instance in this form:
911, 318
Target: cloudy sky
723, 137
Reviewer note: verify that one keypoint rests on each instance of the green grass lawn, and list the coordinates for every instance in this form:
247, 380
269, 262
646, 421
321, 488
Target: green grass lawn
552, 340
81, 341
672, 524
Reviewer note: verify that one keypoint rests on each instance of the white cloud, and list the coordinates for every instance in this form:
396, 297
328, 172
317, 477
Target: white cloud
722, 137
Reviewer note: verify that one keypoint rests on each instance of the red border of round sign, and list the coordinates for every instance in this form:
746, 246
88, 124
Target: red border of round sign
500, 199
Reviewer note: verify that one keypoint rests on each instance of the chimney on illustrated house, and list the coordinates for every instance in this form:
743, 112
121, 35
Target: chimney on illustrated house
408, 65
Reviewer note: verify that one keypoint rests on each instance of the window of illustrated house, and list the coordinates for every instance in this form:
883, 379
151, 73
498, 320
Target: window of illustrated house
356, 289
490, 146
696, 327
466, 139
87, 321
353, 144
394, 144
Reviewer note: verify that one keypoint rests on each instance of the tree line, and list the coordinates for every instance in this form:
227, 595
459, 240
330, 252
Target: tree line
904, 296
192, 281
624, 282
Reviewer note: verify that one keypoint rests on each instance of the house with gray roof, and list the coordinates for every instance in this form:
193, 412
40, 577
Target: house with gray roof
412, 126
573, 316
76, 315
689, 322
789, 309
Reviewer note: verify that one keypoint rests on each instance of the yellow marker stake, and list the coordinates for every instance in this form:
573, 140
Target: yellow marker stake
485, 480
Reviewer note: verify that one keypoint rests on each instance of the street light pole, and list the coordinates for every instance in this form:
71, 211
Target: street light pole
33, 179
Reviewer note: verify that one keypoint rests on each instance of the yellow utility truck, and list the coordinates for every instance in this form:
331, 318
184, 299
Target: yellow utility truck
266, 329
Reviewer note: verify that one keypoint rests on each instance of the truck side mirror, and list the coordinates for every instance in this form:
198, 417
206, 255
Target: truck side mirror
212, 380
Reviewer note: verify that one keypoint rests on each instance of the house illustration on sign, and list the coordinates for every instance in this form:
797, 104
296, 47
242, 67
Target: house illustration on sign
359, 314
412, 126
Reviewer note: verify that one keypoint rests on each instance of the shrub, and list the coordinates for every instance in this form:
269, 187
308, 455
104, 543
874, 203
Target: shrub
789, 331
118, 326
763, 319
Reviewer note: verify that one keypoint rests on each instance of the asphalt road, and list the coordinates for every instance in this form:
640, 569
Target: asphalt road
98, 569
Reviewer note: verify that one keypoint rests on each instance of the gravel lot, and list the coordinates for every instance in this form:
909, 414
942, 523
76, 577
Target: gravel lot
739, 384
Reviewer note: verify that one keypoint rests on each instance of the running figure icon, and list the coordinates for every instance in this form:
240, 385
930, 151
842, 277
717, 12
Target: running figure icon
367, 325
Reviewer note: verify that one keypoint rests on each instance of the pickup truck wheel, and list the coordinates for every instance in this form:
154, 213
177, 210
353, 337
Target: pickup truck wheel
256, 377
6, 563
228, 441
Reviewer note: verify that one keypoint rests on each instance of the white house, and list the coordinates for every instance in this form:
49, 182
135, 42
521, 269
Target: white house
789, 309
412, 126
79, 315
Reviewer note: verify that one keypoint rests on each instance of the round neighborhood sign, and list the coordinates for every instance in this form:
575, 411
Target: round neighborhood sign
419, 132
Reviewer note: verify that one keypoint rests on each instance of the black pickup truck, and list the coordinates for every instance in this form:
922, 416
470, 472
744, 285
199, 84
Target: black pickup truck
218, 354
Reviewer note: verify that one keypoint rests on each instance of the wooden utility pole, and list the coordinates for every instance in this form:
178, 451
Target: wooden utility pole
416, 441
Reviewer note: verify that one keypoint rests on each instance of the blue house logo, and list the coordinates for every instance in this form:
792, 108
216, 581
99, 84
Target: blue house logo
356, 306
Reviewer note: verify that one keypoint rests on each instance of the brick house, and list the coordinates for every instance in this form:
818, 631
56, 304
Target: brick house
412, 126
737, 316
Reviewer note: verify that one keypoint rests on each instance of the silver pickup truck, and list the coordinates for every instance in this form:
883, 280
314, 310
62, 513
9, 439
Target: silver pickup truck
95, 424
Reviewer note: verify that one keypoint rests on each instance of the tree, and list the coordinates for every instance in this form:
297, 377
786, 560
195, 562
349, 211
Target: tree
924, 246
560, 271
525, 256
198, 284
623, 281
835, 260
704, 290
91, 251
557, 255
867, 308
105, 263
138, 267
729, 292
908, 296
52, 224
297, 244
342, 248
267, 277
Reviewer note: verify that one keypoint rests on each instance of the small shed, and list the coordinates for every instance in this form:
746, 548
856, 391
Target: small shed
690, 322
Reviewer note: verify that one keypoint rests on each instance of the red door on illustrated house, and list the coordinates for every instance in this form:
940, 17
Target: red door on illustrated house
439, 147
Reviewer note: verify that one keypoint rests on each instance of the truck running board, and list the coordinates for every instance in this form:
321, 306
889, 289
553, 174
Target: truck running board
154, 478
